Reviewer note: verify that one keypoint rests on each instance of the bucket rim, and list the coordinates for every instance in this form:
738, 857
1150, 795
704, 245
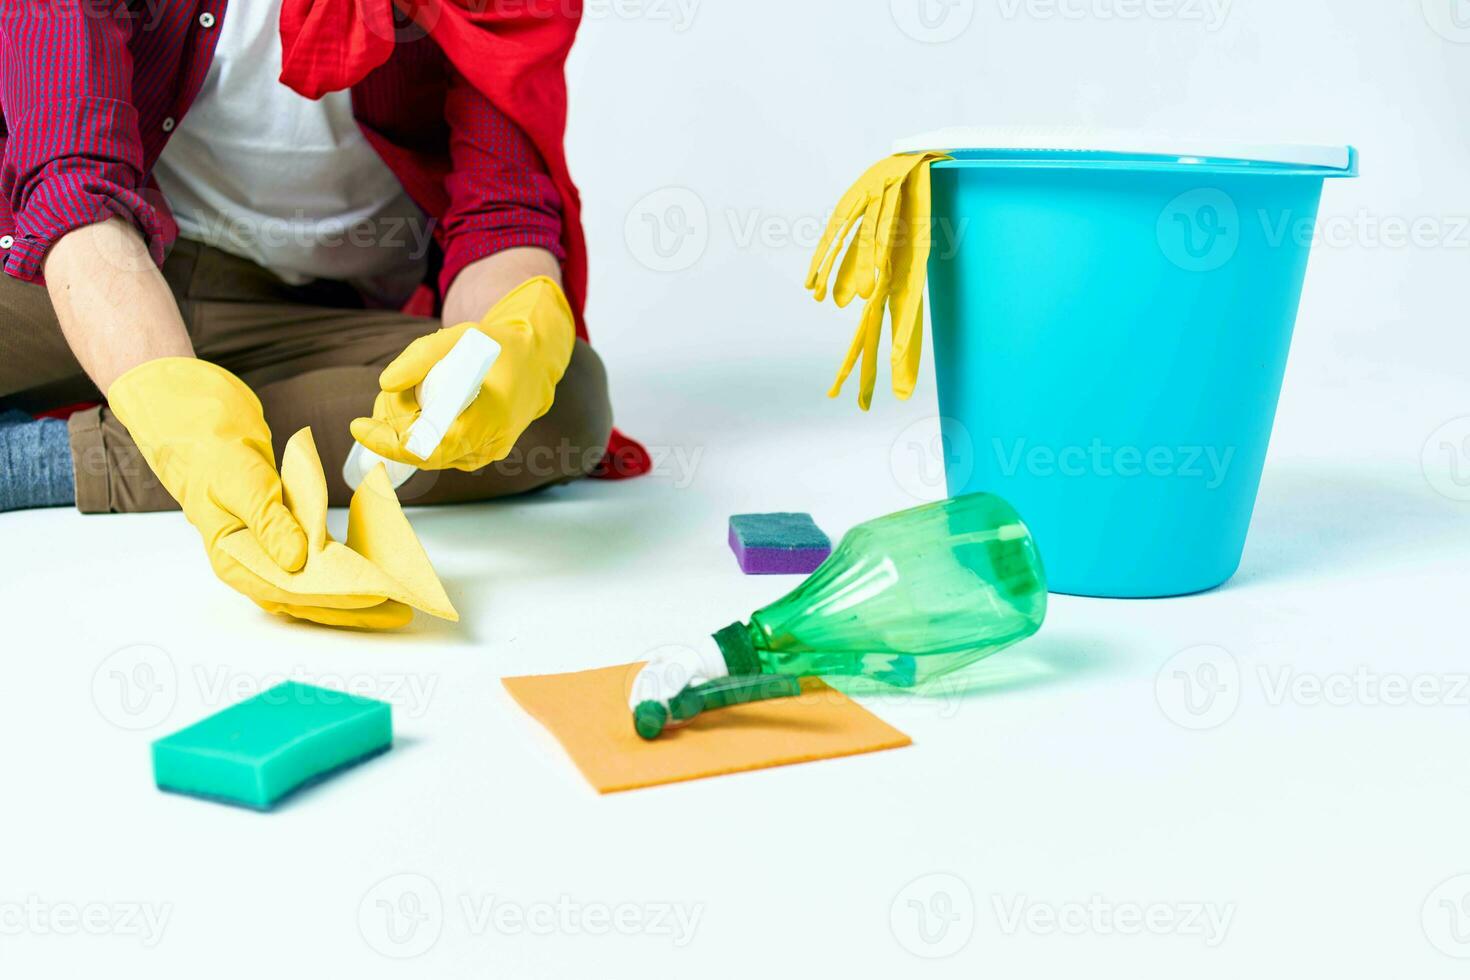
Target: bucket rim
1079, 148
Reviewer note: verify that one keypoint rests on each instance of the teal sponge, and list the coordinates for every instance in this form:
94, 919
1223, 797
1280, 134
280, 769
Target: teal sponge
259, 751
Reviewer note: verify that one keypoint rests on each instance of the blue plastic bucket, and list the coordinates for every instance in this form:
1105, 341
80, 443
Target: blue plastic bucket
1110, 335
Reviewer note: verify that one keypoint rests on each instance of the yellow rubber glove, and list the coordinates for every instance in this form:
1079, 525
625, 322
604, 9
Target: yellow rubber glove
886, 263
203, 433
536, 331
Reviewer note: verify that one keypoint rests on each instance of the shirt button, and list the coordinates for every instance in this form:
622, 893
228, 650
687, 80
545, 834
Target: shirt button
6, 241
168, 125
206, 20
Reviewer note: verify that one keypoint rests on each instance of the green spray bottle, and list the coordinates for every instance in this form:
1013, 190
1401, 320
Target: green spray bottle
903, 599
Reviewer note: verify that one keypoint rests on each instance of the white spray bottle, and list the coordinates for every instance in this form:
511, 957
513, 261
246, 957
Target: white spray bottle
445, 392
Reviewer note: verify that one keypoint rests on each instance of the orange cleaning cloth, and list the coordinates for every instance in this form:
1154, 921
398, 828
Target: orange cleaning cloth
588, 714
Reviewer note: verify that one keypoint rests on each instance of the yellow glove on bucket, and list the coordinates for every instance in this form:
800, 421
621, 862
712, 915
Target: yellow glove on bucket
886, 264
535, 329
203, 433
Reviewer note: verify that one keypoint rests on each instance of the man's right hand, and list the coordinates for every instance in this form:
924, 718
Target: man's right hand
203, 433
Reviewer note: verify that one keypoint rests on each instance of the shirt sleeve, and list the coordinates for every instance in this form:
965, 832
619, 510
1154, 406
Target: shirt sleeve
500, 195
73, 153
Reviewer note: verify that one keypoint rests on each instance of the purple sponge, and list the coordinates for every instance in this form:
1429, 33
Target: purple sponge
778, 544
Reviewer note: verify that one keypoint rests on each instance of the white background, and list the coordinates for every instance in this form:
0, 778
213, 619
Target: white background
1072, 782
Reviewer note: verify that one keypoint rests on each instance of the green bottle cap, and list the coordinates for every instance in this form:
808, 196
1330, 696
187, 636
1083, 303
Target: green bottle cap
739, 652
649, 718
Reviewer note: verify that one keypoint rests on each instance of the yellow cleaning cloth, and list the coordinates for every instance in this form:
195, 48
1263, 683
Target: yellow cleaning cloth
588, 714
374, 581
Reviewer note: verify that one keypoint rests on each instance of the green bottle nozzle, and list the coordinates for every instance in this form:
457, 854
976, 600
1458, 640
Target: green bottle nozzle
650, 718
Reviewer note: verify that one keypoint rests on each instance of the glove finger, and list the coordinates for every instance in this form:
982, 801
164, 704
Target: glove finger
847, 278
906, 306
855, 203
831, 246
487, 443
908, 349
386, 431
279, 534
410, 367
865, 266
910, 267
253, 495
883, 240
875, 244
384, 439
835, 231
892, 234
388, 440
853, 350
872, 329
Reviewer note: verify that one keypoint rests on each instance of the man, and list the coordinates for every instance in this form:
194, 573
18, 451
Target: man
213, 217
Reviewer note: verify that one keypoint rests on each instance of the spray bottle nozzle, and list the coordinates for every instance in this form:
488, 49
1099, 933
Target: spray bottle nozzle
650, 718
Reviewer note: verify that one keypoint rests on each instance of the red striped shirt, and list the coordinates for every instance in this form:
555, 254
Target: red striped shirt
91, 89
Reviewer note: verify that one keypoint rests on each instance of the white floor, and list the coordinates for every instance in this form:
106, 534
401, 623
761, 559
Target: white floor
1068, 815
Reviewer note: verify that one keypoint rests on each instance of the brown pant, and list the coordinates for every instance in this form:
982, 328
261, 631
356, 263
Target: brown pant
311, 353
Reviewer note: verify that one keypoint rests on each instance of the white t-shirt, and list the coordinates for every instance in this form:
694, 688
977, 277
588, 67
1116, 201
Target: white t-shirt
290, 183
